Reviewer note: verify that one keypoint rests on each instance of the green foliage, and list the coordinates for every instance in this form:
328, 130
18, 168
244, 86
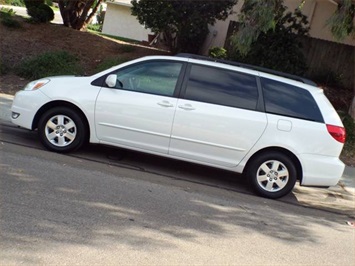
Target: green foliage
49, 64
341, 23
3, 68
95, 27
349, 124
7, 18
7, 12
77, 14
100, 15
14, 2
41, 13
255, 20
120, 38
183, 22
218, 52
110, 62
328, 78
279, 48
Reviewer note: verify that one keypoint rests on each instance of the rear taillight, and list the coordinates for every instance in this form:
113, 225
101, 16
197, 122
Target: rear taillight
337, 133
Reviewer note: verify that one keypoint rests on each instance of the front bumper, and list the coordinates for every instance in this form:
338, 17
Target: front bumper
26, 104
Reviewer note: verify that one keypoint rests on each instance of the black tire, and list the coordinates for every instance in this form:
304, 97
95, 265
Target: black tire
61, 129
272, 174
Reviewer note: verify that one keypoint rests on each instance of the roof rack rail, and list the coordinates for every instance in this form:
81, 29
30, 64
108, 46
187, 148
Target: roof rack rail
257, 68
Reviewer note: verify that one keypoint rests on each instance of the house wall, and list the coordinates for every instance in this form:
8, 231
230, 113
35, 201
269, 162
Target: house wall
317, 11
120, 22
218, 32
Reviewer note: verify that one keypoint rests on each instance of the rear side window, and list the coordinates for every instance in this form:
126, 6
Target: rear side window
287, 100
223, 87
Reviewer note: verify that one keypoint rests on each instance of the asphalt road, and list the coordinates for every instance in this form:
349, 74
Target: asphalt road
57, 209
108, 206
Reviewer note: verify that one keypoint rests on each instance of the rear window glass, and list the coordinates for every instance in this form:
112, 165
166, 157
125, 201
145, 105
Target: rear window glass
287, 100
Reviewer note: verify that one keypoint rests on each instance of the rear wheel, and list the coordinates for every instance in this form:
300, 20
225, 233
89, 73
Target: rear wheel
61, 130
272, 175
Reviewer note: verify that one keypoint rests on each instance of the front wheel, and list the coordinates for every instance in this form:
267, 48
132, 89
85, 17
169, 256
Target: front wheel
61, 130
272, 175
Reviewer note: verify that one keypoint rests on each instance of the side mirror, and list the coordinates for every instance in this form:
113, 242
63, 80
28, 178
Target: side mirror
111, 80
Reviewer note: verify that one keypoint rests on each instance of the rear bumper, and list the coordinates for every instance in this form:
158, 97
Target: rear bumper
321, 171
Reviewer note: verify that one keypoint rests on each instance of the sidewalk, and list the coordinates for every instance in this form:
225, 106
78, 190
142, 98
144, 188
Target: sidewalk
338, 199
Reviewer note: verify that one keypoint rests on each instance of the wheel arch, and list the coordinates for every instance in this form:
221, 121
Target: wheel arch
284, 151
54, 104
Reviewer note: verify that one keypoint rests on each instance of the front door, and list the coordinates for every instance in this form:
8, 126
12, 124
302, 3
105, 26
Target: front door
139, 111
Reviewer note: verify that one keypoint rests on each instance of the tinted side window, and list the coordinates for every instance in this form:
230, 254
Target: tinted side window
288, 100
156, 77
220, 86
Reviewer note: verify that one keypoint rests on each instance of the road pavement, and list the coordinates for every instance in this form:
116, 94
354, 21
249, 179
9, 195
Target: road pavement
62, 210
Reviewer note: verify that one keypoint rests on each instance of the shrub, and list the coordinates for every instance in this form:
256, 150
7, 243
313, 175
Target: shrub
14, 2
95, 27
110, 62
280, 48
328, 78
7, 12
7, 19
349, 146
49, 64
218, 52
10, 22
3, 68
41, 13
349, 125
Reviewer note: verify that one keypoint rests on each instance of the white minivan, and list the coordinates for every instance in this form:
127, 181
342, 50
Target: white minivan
273, 127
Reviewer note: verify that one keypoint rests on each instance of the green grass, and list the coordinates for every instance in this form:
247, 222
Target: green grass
49, 64
95, 27
120, 38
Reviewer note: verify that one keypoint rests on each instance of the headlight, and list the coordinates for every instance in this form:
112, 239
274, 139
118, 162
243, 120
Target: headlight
35, 85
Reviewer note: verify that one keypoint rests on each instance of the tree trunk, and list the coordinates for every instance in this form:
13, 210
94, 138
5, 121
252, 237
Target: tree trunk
75, 12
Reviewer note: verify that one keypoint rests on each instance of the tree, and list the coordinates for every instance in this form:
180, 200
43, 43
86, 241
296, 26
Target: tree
258, 17
77, 14
283, 43
183, 22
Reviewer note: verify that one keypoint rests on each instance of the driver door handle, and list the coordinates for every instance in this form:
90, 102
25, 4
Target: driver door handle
165, 104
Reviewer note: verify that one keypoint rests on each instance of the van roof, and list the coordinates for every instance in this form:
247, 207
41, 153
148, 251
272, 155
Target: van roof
247, 66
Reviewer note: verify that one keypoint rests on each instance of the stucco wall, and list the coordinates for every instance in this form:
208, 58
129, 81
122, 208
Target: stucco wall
218, 32
317, 11
120, 22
